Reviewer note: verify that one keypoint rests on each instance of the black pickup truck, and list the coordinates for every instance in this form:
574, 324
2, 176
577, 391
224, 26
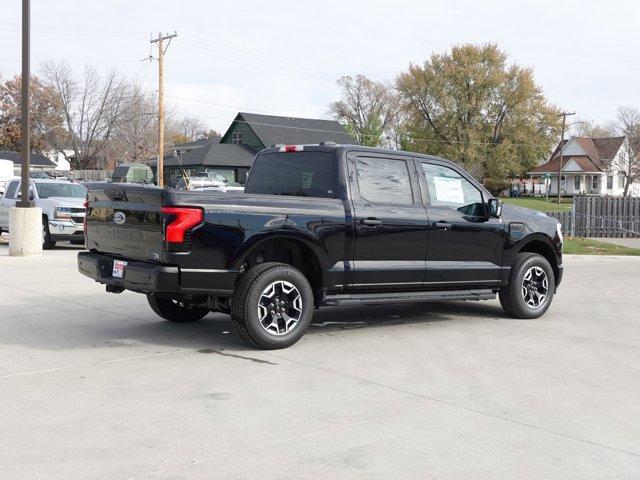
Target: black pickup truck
320, 225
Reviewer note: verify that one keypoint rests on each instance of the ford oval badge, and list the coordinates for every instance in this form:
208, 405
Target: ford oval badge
119, 218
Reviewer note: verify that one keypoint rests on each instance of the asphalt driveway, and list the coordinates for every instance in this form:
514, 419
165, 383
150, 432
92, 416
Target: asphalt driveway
94, 385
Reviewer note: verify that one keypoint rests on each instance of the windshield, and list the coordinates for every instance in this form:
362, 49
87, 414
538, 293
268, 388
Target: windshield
300, 174
66, 190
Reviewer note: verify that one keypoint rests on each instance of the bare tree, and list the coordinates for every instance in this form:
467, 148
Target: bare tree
590, 129
92, 109
627, 163
135, 136
367, 108
191, 128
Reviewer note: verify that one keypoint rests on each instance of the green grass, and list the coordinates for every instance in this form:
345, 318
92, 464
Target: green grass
586, 246
538, 203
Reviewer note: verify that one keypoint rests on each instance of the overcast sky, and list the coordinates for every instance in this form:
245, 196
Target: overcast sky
283, 56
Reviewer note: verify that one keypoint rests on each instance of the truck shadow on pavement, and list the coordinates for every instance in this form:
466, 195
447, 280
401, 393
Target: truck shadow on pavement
216, 332
342, 318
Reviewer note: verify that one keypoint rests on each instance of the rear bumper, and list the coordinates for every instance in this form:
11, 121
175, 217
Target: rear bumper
147, 277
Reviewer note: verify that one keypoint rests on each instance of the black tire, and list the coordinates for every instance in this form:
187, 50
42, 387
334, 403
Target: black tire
76, 242
246, 299
512, 297
47, 243
173, 311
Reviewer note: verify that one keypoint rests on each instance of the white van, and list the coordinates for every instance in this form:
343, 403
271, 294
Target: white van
6, 174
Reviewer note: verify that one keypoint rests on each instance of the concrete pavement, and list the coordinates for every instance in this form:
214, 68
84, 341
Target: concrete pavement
94, 385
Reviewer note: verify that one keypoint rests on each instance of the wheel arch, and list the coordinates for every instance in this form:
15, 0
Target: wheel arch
540, 244
299, 252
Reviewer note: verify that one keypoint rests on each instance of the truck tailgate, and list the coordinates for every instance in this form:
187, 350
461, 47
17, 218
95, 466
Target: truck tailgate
125, 220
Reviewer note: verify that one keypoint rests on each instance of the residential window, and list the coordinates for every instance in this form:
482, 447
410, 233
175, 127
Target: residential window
384, 180
237, 137
594, 182
576, 183
447, 188
609, 182
621, 180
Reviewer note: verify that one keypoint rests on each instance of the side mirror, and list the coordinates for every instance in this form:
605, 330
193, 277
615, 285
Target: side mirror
494, 207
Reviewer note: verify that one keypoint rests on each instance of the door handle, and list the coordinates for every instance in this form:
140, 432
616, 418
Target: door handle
442, 225
373, 222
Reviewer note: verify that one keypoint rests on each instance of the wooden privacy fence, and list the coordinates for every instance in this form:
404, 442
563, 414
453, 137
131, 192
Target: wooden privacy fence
91, 175
603, 217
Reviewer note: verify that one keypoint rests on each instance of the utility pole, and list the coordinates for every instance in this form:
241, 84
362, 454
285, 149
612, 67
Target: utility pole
161, 50
564, 116
25, 220
25, 124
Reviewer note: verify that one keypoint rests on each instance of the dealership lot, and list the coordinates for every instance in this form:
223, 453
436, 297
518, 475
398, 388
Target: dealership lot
94, 385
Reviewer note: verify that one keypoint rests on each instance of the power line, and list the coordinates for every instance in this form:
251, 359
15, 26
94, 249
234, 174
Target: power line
258, 63
234, 50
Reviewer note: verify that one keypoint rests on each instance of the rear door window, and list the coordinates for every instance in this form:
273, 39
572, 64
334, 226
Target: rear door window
299, 174
384, 180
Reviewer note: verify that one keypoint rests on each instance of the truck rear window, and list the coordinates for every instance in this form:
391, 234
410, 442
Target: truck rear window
299, 174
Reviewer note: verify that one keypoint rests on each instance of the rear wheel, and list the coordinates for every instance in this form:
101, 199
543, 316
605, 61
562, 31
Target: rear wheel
174, 310
272, 306
531, 286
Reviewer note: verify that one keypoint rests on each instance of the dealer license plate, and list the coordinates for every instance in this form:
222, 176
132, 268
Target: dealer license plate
118, 268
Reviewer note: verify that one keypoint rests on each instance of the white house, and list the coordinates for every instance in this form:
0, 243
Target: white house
589, 166
62, 164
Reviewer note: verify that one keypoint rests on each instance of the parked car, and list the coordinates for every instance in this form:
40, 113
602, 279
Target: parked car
62, 204
132, 173
321, 225
217, 182
40, 174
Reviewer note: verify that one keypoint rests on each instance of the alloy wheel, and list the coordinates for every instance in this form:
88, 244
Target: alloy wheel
535, 287
280, 307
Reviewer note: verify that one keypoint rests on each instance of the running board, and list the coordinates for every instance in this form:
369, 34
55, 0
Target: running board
404, 297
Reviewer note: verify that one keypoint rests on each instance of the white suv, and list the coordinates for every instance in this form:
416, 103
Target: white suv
62, 204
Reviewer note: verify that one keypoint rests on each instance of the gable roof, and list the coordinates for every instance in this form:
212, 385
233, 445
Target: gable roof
37, 159
608, 147
273, 130
599, 151
201, 142
552, 166
220, 154
213, 154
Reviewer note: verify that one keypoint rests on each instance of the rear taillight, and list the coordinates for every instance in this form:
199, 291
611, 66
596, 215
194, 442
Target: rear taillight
179, 220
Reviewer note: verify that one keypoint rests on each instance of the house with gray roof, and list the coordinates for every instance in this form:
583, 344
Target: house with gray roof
232, 154
38, 161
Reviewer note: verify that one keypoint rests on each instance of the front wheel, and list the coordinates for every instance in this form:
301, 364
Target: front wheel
47, 242
272, 306
175, 311
531, 286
